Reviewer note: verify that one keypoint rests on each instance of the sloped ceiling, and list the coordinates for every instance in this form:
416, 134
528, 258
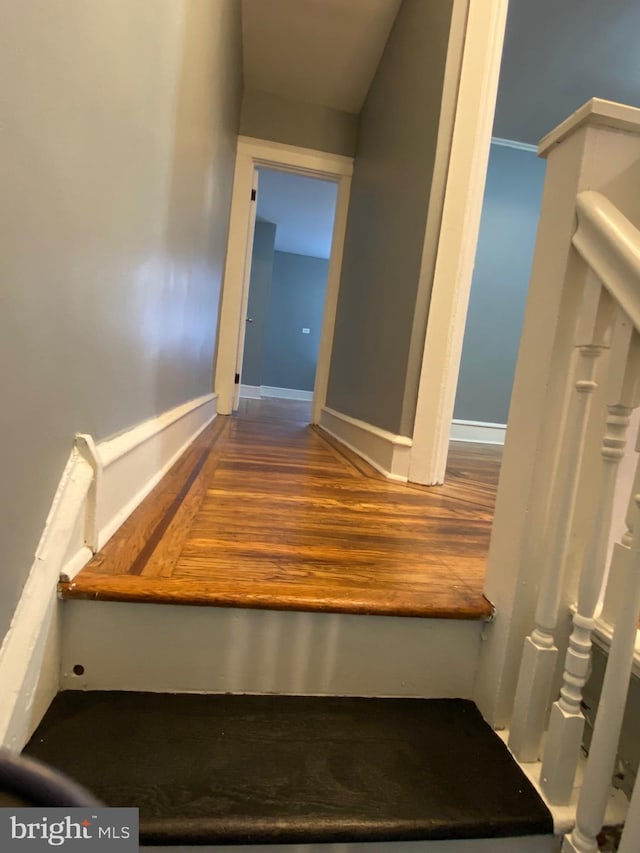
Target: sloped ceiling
560, 53
302, 209
320, 51
557, 55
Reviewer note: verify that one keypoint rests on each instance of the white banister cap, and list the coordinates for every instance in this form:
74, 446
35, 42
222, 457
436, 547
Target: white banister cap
598, 113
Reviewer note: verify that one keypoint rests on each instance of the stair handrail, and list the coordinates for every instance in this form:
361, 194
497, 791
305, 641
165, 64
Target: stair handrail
610, 245
576, 388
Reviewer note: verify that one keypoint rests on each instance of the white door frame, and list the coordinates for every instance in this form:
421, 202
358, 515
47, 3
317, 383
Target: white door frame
455, 257
246, 280
251, 154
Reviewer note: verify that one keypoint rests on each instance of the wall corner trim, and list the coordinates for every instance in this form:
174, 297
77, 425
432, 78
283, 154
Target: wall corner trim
100, 487
387, 452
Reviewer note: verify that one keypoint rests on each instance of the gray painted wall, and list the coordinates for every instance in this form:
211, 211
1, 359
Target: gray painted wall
298, 290
258, 305
280, 119
371, 376
508, 226
117, 189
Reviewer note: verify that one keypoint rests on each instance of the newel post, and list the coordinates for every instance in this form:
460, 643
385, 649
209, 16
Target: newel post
593, 149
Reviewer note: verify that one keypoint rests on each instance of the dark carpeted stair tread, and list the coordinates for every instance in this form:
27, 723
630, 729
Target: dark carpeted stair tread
229, 769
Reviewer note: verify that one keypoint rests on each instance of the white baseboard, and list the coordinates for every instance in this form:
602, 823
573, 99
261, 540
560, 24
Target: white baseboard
128, 466
388, 453
100, 487
285, 393
250, 392
241, 650
478, 432
256, 392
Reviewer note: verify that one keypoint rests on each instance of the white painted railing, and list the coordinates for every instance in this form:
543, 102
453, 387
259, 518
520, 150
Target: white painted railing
589, 355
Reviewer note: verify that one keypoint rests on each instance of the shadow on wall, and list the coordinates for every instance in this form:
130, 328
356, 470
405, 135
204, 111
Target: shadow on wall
508, 226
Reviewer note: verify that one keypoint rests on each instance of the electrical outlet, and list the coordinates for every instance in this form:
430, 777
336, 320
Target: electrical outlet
306, 331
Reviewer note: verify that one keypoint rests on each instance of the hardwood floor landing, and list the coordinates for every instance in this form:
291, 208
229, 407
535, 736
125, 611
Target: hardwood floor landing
265, 511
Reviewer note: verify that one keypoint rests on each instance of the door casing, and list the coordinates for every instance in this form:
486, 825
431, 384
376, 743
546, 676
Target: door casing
252, 154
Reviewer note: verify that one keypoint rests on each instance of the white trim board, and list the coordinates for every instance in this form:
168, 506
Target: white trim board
256, 392
513, 143
100, 486
30, 655
131, 464
250, 392
251, 154
387, 452
596, 112
457, 239
478, 432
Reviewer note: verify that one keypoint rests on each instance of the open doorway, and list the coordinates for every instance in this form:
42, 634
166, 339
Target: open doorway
288, 274
256, 155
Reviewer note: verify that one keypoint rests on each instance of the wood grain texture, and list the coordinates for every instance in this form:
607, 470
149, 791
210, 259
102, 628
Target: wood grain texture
224, 769
265, 511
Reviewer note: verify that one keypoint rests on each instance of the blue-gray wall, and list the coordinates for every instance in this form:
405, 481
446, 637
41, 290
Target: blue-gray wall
258, 306
378, 341
506, 241
286, 295
298, 290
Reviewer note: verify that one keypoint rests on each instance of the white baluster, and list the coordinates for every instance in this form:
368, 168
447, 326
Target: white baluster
630, 842
539, 655
566, 725
604, 743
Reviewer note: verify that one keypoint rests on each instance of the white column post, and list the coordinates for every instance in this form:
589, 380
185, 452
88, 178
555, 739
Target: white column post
566, 725
604, 743
596, 148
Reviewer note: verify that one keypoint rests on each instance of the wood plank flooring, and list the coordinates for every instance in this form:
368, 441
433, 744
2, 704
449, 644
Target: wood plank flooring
265, 511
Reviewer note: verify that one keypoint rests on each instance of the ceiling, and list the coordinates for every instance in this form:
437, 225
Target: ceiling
557, 55
560, 53
302, 209
320, 51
